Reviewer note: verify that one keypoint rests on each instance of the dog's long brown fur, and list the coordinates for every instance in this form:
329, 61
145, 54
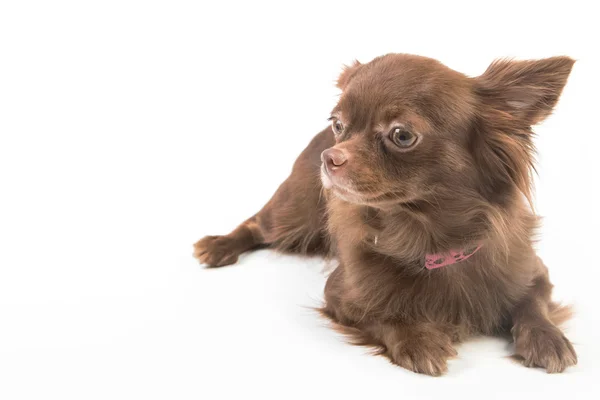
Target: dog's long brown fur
465, 180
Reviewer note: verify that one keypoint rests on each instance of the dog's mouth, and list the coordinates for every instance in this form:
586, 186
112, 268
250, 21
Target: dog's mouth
325, 178
346, 191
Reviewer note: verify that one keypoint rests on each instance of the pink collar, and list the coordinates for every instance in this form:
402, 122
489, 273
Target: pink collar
439, 260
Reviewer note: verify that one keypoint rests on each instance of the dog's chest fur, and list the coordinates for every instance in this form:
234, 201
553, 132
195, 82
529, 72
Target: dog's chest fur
382, 275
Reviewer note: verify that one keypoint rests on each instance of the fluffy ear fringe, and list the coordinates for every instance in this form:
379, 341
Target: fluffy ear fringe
505, 155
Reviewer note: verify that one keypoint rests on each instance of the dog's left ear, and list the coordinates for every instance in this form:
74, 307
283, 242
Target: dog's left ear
347, 74
526, 90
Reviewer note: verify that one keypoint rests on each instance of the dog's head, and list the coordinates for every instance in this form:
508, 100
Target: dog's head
409, 129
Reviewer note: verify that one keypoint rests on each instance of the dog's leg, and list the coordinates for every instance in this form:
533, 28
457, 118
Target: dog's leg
293, 220
420, 347
217, 251
538, 340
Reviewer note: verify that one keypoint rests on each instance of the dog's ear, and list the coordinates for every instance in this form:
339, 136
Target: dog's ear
347, 74
526, 90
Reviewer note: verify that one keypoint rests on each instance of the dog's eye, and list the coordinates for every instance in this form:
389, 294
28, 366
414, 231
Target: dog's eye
337, 127
403, 138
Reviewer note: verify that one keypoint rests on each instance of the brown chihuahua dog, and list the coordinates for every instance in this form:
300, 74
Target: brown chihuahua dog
421, 188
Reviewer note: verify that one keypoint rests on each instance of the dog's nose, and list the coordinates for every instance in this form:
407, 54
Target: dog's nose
333, 159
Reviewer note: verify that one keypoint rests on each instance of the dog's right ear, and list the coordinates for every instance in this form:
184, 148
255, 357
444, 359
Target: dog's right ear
526, 90
347, 74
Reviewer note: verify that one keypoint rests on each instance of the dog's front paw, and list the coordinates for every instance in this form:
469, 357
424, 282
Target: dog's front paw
544, 346
216, 251
425, 353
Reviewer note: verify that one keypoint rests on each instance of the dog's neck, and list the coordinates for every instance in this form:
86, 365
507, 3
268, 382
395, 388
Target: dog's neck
442, 226
412, 231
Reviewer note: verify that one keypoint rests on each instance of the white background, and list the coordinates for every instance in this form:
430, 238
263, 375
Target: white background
131, 129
